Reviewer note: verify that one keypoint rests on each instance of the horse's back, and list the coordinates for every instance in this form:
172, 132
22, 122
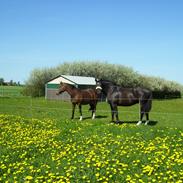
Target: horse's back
143, 93
121, 96
128, 96
89, 92
87, 96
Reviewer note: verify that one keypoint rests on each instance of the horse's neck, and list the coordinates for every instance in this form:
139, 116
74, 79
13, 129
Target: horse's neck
107, 89
71, 91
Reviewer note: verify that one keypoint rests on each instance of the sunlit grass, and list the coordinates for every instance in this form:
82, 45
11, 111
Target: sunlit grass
39, 143
165, 113
48, 150
11, 91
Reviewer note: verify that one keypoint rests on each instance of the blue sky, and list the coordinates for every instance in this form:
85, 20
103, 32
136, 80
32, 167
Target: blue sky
146, 35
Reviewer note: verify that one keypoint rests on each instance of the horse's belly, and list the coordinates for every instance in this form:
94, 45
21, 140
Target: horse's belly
87, 102
127, 102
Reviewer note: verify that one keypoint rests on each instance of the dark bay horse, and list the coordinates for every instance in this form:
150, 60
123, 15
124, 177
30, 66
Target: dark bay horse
119, 96
80, 97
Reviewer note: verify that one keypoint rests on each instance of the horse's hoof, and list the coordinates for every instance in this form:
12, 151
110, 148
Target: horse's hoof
139, 123
146, 123
81, 118
117, 122
93, 116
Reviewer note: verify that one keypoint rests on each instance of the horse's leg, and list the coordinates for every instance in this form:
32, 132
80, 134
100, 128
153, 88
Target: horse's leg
80, 110
112, 112
73, 109
116, 113
141, 113
144, 111
93, 111
92, 108
147, 118
141, 117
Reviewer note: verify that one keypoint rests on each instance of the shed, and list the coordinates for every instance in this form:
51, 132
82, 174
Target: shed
51, 87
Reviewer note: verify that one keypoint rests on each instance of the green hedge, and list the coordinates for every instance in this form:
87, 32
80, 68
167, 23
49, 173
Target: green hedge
166, 94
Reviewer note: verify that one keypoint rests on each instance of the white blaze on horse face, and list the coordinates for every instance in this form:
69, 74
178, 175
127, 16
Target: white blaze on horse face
98, 88
93, 117
81, 117
139, 123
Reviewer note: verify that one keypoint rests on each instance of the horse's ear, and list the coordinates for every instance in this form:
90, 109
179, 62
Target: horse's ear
97, 80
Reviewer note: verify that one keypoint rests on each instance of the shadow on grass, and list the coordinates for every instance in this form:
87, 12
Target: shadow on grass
151, 123
96, 117
101, 116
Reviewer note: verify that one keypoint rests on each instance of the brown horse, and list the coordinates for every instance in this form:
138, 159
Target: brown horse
80, 97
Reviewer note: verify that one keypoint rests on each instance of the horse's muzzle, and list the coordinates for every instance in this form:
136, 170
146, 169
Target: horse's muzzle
98, 88
57, 93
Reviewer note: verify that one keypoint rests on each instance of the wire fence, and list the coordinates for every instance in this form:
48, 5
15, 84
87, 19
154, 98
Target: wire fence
15, 102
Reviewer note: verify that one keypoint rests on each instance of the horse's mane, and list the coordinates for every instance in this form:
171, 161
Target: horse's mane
109, 82
70, 85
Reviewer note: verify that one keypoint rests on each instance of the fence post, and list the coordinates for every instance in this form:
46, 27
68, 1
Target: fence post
139, 110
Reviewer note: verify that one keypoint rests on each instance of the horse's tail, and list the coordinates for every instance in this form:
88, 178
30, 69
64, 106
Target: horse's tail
146, 101
148, 104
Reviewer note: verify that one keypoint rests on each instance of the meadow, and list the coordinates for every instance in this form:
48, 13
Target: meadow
39, 143
11, 91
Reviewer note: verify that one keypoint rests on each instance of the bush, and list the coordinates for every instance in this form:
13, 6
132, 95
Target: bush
124, 76
35, 85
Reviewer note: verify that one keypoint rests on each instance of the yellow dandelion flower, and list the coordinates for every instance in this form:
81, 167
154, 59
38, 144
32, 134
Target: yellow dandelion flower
28, 177
97, 174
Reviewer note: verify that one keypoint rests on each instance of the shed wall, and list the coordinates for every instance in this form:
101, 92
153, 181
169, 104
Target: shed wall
51, 90
51, 94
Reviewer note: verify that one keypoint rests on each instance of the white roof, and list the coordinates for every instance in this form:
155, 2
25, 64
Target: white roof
79, 80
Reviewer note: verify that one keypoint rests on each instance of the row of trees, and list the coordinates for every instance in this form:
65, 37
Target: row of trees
10, 83
124, 76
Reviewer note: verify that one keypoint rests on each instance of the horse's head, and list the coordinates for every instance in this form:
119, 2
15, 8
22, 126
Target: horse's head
98, 82
62, 88
98, 86
104, 85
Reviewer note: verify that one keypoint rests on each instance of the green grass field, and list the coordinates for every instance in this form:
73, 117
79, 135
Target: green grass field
39, 143
10, 91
